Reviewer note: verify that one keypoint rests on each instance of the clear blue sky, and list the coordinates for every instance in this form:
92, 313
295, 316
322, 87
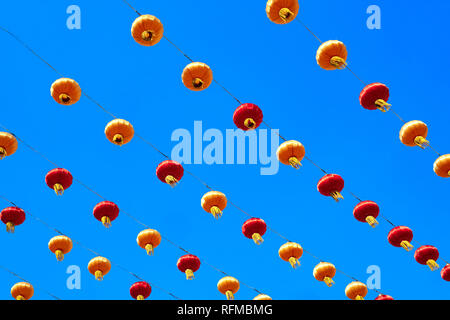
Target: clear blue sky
260, 62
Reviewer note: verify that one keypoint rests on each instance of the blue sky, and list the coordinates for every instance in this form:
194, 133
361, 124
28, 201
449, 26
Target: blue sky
260, 62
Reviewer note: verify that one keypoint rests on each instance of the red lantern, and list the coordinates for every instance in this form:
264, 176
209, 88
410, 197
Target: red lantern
12, 216
59, 180
367, 211
170, 172
445, 272
188, 264
375, 96
106, 212
247, 116
254, 228
331, 185
140, 290
401, 236
427, 255
384, 297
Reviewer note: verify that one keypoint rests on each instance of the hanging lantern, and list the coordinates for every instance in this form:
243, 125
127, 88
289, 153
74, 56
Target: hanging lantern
375, 96
149, 239
291, 252
170, 172
325, 272
248, 116
197, 76
442, 166
332, 55
254, 228
401, 236
22, 291
60, 245
445, 272
384, 297
282, 11
147, 30
414, 133
427, 255
106, 212
140, 290
214, 202
59, 180
331, 185
99, 267
291, 153
188, 264
228, 286
12, 217
8, 144
65, 91
367, 211
119, 132
356, 290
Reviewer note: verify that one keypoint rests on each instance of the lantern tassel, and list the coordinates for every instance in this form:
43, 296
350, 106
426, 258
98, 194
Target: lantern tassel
358, 297
59, 190
98, 275
406, 245
250, 123
171, 181
189, 274
216, 212
106, 221
338, 62
118, 139
64, 98
257, 238
3, 153
432, 264
59, 255
197, 83
285, 14
382, 105
20, 297
147, 35
10, 227
149, 248
421, 142
140, 297
229, 295
293, 161
294, 262
372, 221
329, 282
336, 195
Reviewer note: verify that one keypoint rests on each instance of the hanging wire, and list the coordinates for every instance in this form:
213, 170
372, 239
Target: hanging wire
309, 30
48, 226
132, 8
34, 286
